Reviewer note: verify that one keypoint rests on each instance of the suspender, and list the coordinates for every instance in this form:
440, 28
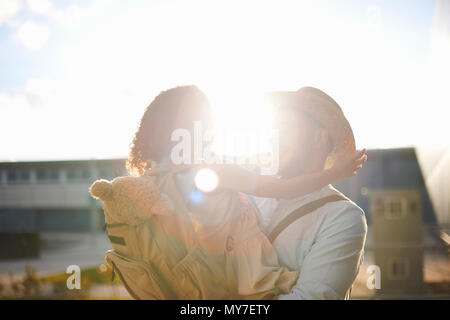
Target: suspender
300, 212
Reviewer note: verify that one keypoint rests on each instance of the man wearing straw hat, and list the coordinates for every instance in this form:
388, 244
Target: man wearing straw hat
322, 234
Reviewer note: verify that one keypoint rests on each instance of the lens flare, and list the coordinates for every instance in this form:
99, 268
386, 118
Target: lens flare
206, 180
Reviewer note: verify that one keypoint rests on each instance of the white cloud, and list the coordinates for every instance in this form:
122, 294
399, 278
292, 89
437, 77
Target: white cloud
13, 100
8, 9
40, 6
32, 35
50, 118
29, 98
72, 15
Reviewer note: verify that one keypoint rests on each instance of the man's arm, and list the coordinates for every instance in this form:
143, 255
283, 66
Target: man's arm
330, 268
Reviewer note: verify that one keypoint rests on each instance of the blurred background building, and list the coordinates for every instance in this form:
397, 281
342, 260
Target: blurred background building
52, 195
40, 202
48, 202
408, 220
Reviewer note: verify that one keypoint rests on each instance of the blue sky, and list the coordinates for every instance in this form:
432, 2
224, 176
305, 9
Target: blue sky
75, 76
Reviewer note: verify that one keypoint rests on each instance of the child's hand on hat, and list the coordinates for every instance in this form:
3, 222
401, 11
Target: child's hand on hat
348, 166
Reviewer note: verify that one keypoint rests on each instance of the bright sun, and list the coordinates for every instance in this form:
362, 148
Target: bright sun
243, 123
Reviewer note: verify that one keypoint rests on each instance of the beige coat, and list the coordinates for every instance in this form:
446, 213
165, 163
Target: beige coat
167, 254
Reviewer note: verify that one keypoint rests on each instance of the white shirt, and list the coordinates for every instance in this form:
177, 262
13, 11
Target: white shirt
326, 246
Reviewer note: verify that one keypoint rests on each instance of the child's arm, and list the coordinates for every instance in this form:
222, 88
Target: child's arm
236, 178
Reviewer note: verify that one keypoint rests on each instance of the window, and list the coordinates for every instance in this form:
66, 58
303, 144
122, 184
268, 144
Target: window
71, 173
18, 176
106, 173
47, 175
398, 268
11, 175
395, 208
78, 174
85, 173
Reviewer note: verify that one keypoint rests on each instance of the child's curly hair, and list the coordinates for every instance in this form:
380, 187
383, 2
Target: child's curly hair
174, 108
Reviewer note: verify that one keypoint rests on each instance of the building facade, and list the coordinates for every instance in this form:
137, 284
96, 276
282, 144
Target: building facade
53, 195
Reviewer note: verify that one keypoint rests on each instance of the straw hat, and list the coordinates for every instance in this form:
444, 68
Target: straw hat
324, 109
